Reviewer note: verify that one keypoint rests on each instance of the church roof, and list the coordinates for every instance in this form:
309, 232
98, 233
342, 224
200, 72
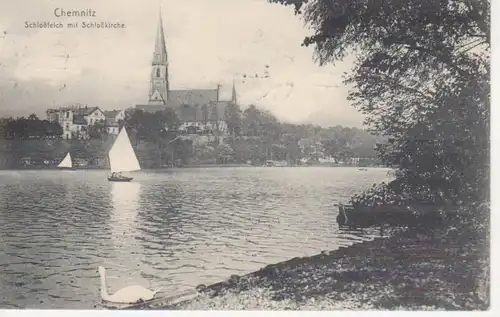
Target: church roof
214, 111
193, 97
150, 108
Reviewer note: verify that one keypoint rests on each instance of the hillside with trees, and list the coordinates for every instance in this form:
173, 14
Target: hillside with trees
422, 78
255, 136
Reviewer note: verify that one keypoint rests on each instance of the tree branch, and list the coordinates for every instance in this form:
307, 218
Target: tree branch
396, 83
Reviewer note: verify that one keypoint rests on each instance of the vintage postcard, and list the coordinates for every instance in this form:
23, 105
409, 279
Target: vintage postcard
245, 154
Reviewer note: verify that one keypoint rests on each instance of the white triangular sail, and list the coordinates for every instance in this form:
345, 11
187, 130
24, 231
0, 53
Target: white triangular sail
66, 162
122, 156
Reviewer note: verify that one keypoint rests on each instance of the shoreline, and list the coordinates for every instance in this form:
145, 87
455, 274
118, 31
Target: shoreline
406, 271
189, 166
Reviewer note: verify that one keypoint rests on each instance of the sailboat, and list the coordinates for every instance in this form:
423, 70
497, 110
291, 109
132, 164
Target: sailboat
66, 163
122, 158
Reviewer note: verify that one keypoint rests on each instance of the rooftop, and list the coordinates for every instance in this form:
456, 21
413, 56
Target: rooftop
79, 119
80, 110
212, 112
111, 114
192, 97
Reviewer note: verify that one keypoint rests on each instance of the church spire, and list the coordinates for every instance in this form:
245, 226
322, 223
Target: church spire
160, 54
234, 98
159, 85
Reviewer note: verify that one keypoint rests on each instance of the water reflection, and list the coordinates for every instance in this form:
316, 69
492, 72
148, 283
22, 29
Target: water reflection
123, 263
48, 229
125, 207
164, 215
175, 230
200, 226
162, 233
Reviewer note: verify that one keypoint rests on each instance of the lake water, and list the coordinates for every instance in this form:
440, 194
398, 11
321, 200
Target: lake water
173, 229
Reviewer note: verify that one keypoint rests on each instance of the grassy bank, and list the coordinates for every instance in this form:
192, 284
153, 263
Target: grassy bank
407, 271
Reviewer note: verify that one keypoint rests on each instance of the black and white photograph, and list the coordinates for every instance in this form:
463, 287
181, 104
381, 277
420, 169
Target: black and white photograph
235, 155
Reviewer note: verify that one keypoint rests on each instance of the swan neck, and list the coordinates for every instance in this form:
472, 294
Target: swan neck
104, 286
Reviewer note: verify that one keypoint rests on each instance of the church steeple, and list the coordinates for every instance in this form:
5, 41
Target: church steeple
159, 85
160, 54
234, 97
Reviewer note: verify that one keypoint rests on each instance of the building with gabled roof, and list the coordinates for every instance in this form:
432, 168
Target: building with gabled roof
113, 119
74, 120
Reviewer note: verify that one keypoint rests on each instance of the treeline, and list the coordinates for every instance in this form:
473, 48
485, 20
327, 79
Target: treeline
254, 135
29, 128
260, 135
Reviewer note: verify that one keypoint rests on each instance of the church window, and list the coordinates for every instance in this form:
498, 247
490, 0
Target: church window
157, 72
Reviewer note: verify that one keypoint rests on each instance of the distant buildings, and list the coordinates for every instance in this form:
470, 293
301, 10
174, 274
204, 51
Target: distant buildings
197, 109
76, 121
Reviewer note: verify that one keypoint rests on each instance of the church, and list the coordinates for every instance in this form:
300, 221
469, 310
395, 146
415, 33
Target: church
197, 109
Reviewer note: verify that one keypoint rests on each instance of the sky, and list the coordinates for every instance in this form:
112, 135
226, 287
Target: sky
209, 42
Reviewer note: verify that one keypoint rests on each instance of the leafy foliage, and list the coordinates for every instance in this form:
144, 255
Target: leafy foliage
422, 78
256, 122
96, 131
151, 126
158, 131
261, 136
232, 115
29, 128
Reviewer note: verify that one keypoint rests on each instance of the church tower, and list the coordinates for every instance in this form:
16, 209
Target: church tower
159, 86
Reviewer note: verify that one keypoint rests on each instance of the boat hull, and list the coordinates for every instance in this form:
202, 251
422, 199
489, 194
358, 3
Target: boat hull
386, 214
120, 179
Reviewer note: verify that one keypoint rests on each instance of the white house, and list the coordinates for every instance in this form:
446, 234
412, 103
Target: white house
113, 119
74, 120
93, 115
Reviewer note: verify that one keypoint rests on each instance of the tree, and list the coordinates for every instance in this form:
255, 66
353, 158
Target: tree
179, 150
204, 114
97, 130
3, 128
422, 78
33, 117
223, 153
29, 128
232, 116
157, 128
148, 126
334, 148
52, 129
256, 122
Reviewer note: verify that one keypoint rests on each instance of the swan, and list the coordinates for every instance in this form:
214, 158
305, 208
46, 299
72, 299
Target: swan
128, 295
